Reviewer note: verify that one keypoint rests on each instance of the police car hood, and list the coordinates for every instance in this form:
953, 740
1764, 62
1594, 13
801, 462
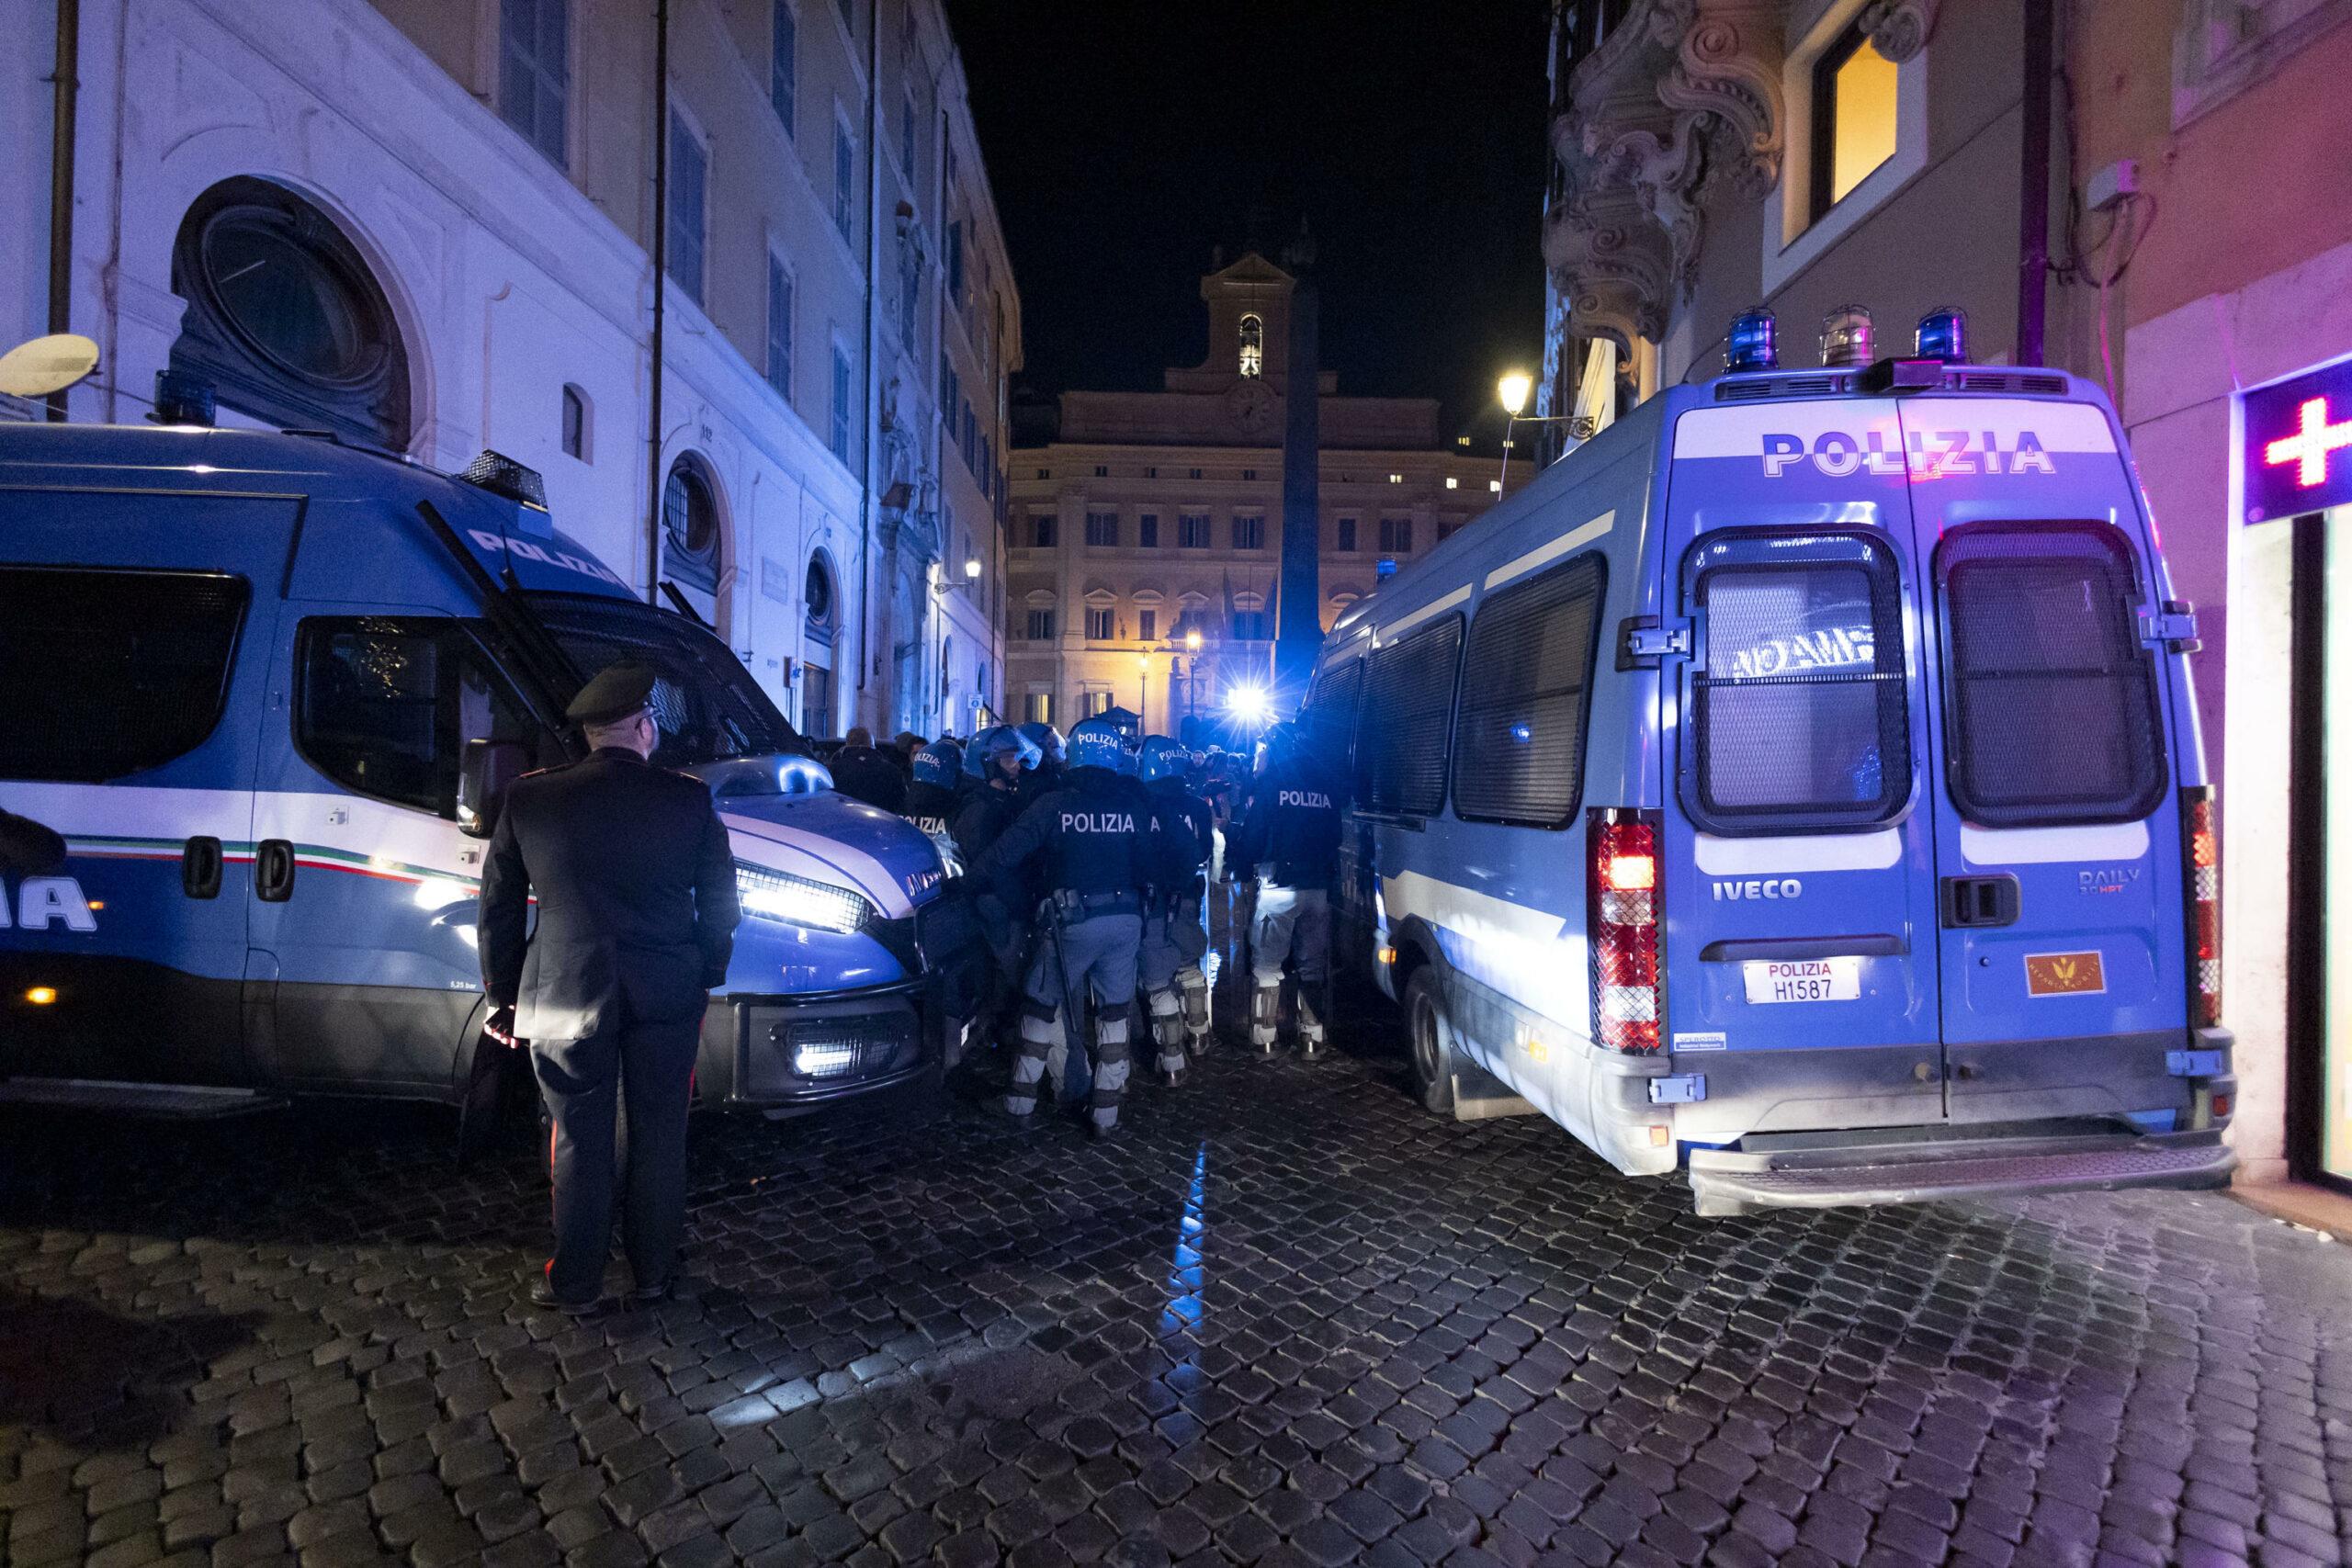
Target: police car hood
828, 837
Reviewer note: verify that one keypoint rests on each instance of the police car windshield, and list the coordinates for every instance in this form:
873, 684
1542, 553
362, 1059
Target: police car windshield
704, 704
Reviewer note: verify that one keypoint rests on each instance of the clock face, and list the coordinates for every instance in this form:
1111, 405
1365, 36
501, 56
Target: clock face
1252, 404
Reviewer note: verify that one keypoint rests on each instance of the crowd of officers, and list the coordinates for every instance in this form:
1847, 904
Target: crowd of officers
1090, 858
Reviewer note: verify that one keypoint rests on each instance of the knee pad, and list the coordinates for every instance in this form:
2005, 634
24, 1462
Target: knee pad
1111, 1032
1194, 987
1041, 1030
1265, 1010
1166, 1018
1310, 1023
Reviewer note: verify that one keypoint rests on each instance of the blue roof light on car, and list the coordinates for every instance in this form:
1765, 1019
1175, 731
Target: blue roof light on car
1750, 345
1943, 335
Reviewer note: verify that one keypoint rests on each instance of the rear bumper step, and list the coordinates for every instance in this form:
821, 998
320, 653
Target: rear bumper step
177, 1102
1729, 1183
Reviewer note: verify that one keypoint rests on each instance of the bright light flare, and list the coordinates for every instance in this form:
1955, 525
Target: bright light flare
796, 900
41, 995
1513, 389
1251, 704
1632, 874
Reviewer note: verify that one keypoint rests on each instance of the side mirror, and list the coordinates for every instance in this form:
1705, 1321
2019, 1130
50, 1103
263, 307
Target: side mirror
487, 767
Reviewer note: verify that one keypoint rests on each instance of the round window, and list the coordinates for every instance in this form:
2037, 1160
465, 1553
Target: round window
286, 298
690, 522
820, 594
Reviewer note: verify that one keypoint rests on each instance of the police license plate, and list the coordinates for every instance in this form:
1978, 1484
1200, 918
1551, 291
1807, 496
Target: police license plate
1805, 980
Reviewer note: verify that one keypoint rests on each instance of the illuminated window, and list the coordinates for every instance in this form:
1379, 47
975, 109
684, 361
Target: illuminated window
1253, 346
1853, 116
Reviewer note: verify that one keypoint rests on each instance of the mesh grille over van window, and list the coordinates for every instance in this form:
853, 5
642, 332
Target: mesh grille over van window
1800, 709
1520, 753
1330, 718
2052, 707
1407, 720
112, 672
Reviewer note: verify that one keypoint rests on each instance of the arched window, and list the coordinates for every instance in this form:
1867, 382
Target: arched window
690, 531
816, 594
285, 321
575, 423
1253, 346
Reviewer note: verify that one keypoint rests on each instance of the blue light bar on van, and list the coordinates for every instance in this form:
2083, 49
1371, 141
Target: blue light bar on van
502, 475
1943, 335
1750, 345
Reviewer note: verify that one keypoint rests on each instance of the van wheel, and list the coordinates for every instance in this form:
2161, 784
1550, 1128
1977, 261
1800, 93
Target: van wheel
1433, 1057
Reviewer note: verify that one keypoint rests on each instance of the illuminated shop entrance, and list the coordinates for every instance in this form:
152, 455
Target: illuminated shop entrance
2296, 467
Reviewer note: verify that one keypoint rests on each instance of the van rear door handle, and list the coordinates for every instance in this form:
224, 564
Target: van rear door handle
1877, 945
273, 871
1980, 901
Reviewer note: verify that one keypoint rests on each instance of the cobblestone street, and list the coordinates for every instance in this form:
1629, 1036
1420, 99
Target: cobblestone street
1286, 1318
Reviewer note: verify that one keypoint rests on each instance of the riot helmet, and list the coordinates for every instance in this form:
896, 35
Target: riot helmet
938, 763
1047, 740
1162, 758
1096, 743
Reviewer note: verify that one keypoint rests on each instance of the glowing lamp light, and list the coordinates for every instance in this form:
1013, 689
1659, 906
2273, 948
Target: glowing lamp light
1846, 336
1513, 389
1942, 334
41, 995
1250, 703
2314, 439
1193, 641
1632, 874
1752, 344
972, 568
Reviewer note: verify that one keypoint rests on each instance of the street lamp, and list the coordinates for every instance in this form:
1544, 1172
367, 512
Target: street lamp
1143, 690
1512, 389
971, 568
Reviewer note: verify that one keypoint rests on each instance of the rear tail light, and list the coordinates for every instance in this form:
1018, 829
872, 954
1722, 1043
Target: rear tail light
1621, 925
2204, 854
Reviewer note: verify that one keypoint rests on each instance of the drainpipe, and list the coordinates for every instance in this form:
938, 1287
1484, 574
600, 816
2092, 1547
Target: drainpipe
2033, 183
661, 291
65, 83
867, 405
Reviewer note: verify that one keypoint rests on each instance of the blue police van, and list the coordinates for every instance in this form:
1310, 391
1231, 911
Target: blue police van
1799, 788
271, 687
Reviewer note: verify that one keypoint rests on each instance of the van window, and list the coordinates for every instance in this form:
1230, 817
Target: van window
2053, 711
1406, 721
386, 706
1330, 718
1800, 713
706, 702
112, 672
1518, 753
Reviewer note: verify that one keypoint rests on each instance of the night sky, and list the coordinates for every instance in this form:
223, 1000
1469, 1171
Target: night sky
1126, 141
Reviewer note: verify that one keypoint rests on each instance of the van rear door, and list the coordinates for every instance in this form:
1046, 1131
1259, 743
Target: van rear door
2058, 835
1800, 878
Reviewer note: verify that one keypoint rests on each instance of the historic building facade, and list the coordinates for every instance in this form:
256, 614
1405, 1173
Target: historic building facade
433, 225
1145, 538
2193, 254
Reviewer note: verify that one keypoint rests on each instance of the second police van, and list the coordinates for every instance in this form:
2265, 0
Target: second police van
270, 689
1799, 786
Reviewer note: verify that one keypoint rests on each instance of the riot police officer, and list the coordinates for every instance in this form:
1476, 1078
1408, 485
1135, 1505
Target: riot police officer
1053, 759
1288, 836
1095, 846
636, 888
931, 803
993, 769
1175, 990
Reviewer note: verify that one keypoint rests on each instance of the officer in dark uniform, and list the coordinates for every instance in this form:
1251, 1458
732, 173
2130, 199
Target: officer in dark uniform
931, 799
993, 765
864, 773
1288, 837
636, 887
1094, 842
1175, 990
1053, 759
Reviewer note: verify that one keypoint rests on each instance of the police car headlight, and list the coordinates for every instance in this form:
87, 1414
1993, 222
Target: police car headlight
797, 900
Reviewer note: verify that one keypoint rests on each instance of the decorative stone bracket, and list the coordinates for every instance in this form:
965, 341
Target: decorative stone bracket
1683, 93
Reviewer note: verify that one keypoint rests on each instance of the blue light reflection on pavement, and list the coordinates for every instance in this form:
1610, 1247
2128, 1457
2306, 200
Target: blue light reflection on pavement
1182, 1313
